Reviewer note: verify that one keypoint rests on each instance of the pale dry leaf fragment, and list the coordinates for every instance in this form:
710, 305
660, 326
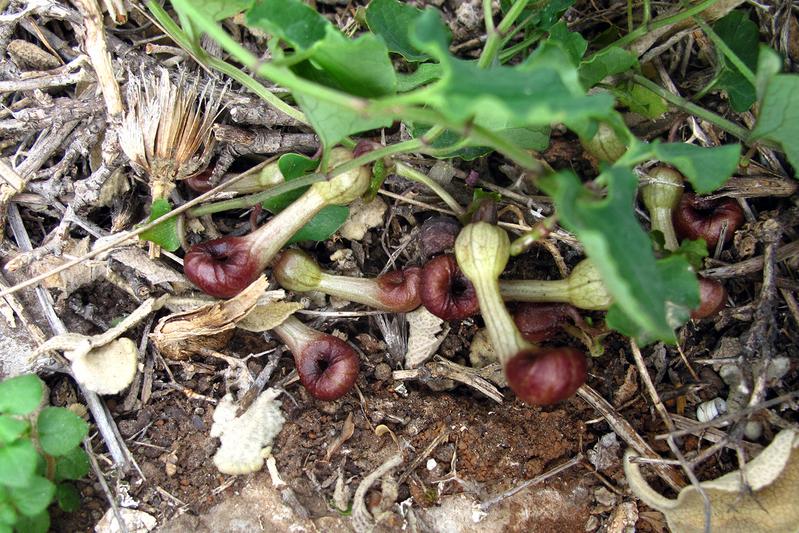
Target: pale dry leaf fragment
768, 503
211, 326
363, 217
135, 521
267, 316
154, 272
481, 351
244, 438
423, 336
75, 345
108, 369
347, 430
78, 276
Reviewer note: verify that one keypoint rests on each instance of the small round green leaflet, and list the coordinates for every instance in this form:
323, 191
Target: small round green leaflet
73, 465
39, 523
11, 428
21, 395
8, 515
68, 497
34, 498
17, 463
60, 430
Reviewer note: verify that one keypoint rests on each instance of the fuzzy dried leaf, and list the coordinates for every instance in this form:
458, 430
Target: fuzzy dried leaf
135, 521
108, 369
363, 217
423, 341
767, 504
267, 316
211, 326
244, 438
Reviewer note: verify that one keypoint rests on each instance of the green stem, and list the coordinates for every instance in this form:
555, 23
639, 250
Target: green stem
281, 76
250, 200
183, 40
685, 105
657, 24
496, 34
521, 45
414, 175
733, 58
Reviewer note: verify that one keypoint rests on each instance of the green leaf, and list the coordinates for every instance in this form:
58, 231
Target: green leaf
532, 138
164, 234
640, 100
359, 66
425, 73
573, 43
68, 497
292, 166
693, 251
72, 465
609, 61
21, 395
682, 295
540, 92
323, 225
540, 15
11, 428
392, 20
779, 115
33, 498
616, 243
769, 64
39, 523
741, 35
60, 430
706, 168
17, 463
8, 515
222, 9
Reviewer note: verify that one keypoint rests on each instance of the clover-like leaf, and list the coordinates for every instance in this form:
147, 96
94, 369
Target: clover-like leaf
60, 430
17, 463
21, 395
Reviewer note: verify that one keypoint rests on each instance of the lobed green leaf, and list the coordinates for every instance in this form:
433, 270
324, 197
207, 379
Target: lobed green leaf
72, 465
616, 243
741, 35
68, 497
21, 395
18, 463
392, 20
60, 430
33, 498
12, 428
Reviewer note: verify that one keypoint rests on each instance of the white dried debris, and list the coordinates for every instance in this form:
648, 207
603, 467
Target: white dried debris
605, 453
244, 438
363, 217
108, 369
761, 499
423, 336
135, 522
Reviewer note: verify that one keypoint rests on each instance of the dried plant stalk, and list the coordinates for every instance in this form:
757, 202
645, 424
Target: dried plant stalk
166, 132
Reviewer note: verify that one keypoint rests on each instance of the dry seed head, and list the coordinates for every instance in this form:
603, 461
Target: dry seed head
166, 131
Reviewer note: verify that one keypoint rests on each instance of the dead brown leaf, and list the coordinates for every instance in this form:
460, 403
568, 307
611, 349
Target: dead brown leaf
180, 335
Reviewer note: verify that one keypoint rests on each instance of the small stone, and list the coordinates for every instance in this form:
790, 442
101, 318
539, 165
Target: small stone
382, 372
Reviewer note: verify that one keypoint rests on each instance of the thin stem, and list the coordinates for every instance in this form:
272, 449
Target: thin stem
179, 36
360, 290
281, 76
742, 67
505, 337
657, 24
412, 174
535, 290
685, 105
270, 238
496, 34
507, 54
661, 221
250, 200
